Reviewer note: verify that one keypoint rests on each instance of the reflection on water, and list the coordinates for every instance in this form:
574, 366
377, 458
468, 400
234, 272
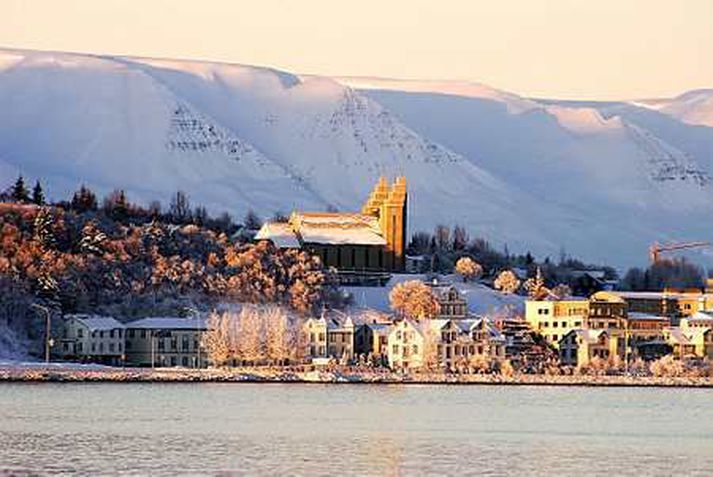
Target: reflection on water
353, 429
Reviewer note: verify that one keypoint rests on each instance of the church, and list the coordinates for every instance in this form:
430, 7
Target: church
370, 241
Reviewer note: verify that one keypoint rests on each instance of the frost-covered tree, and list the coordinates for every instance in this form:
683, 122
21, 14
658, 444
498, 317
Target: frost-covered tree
93, 239
562, 291
535, 286
468, 269
44, 228
414, 299
507, 282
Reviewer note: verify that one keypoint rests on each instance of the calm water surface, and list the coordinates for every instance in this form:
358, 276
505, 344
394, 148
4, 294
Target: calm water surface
294, 429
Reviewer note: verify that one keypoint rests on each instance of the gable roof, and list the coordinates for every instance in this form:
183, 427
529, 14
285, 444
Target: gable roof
98, 323
279, 233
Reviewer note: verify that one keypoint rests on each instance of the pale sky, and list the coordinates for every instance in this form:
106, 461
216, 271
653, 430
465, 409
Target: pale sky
584, 49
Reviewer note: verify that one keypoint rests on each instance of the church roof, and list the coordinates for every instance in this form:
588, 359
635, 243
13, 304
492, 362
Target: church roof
279, 233
336, 228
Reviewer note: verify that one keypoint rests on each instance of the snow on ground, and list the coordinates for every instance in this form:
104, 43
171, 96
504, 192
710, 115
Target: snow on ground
481, 299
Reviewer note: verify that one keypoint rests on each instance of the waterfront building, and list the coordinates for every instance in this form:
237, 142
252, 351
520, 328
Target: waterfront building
446, 344
372, 339
579, 347
92, 338
554, 318
691, 342
166, 342
330, 336
358, 244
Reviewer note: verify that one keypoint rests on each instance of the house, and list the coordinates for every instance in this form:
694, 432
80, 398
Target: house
166, 342
443, 343
372, 339
700, 319
372, 240
406, 341
671, 302
696, 342
92, 338
452, 305
330, 336
579, 347
554, 318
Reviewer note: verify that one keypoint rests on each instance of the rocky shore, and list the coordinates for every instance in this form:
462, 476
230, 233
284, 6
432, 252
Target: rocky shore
53, 373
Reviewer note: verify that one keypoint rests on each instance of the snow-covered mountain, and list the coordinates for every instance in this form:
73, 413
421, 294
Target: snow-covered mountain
602, 180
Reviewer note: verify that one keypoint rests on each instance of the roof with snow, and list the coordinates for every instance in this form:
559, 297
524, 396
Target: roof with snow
325, 228
588, 335
636, 315
279, 233
98, 323
168, 323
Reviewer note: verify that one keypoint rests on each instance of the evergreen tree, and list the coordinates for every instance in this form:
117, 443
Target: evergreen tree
38, 195
84, 200
116, 205
19, 191
252, 221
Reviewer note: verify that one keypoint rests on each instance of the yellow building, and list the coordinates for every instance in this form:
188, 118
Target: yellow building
553, 319
372, 240
166, 342
696, 342
579, 347
405, 344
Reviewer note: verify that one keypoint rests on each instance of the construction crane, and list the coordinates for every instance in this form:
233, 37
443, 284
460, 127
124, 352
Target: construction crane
656, 248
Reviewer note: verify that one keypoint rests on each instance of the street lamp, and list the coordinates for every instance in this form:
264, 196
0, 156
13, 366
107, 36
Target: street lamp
48, 328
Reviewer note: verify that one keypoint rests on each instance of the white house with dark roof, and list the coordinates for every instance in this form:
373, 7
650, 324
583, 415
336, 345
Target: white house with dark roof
92, 338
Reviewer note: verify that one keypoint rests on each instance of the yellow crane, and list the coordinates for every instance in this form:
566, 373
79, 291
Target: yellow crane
656, 249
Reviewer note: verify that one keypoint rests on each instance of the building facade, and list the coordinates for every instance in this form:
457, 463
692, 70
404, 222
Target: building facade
372, 240
91, 338
166, 342
555, 318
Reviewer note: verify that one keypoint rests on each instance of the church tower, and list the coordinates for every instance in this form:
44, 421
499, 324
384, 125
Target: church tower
392, 219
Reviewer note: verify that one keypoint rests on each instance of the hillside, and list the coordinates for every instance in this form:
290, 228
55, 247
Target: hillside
600, 180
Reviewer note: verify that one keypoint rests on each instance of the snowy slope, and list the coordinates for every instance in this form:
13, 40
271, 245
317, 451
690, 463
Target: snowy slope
693, 107
600, 180
625, 184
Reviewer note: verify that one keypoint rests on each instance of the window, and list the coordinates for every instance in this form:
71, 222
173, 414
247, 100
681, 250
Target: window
184, 361
185, 344
94, 347
161, 344
415, 349
101, 334
143, 334
111, 333
174, 344
395, 349
80, 347
321, 337
554, 324
111, 346
564, 324
131, 333
101, 347
80, 333
173, 361
554, 337
119, 346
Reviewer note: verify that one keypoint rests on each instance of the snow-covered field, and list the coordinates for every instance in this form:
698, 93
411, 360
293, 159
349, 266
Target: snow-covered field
602, 180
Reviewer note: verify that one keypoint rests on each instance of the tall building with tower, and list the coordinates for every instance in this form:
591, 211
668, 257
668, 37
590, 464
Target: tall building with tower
370, 241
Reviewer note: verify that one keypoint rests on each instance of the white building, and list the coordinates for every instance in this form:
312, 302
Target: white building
92, 338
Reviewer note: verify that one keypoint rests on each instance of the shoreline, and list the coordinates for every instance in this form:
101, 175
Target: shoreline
41, 373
